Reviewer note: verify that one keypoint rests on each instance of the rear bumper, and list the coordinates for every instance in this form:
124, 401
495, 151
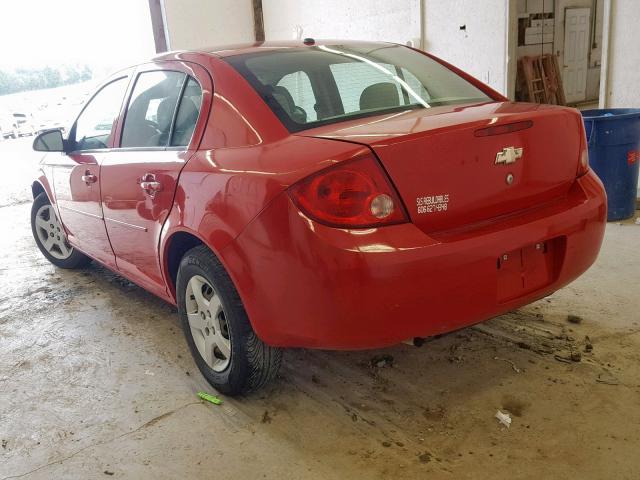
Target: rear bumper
307, 285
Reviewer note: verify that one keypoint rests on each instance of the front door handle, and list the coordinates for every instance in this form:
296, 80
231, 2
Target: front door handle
89, 177
149, 184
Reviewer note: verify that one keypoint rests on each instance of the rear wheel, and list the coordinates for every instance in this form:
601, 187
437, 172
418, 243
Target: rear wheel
224, 346
50, 237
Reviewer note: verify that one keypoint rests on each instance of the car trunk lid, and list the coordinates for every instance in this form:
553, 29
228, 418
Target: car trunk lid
458, 166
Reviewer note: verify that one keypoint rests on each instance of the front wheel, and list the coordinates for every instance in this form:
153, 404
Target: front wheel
50, 237
223, 344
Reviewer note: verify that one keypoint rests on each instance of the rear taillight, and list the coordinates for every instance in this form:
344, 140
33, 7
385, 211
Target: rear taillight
583, 167
352, 194
583, 160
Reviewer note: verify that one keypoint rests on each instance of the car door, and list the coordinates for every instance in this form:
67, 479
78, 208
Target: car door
139, 178
76, 174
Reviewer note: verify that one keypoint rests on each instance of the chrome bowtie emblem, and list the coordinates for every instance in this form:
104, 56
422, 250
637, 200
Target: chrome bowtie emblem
508, 155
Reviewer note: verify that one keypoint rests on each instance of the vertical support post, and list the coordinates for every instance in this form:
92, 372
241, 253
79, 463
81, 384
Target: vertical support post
605, 62
158, 26
258, 21
511, 49
423, 25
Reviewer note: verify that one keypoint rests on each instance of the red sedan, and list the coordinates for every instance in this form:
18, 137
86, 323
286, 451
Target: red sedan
325, 195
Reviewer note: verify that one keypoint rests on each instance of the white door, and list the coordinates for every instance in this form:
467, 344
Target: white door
576, 53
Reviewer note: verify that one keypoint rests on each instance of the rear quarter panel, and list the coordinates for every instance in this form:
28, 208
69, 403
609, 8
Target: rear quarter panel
246, 158
221, 191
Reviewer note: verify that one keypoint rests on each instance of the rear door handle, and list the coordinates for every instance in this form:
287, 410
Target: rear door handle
149, 184
89, 177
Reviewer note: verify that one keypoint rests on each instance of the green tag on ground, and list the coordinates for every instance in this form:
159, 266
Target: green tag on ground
210, 398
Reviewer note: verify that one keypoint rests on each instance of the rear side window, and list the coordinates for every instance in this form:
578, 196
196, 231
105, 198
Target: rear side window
311, 86
94, 126
151, 109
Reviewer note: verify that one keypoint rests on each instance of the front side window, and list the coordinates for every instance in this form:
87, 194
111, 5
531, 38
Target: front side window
151, 109
308, 87
94, 126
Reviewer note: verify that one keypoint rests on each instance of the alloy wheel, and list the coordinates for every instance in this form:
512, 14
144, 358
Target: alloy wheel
208, 324
51, 234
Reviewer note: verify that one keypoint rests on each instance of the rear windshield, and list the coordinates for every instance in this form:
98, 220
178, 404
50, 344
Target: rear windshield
308, 87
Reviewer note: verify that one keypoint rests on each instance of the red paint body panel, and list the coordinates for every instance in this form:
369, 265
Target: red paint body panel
79, 204
133, 217
436, 152
308, 285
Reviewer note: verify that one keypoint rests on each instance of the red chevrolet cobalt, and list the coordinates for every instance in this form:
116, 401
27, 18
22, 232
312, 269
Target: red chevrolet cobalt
336, 195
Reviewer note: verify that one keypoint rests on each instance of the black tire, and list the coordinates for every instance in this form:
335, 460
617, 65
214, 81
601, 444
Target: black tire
252, 363
77, 259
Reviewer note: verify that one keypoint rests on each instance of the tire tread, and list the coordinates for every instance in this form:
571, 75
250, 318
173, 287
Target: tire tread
257, 363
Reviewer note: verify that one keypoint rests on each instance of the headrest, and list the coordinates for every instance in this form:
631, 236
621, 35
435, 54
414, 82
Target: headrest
165, 113
187, 114
284, 98
379, 95
185, 122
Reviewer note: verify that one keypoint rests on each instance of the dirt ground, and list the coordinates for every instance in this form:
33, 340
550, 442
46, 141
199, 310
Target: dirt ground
96, 381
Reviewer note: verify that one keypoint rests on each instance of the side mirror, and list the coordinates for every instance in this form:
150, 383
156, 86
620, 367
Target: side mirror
49, 141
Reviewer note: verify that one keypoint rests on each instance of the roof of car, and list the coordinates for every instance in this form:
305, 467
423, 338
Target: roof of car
242, 48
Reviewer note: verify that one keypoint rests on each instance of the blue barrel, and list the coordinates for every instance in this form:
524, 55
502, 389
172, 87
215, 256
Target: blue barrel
614, 154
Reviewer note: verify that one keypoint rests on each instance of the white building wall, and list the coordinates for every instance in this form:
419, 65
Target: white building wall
207, 23
384, 20
480, 49
623, 86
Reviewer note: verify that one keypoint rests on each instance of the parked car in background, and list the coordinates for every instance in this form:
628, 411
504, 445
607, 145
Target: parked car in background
56, 115
47, 119
322, 195
8, 127
24, 125
45, 124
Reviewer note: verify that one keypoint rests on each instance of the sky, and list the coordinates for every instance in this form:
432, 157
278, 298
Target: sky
105, 34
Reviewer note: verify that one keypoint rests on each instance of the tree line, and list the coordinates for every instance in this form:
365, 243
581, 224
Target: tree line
25, 79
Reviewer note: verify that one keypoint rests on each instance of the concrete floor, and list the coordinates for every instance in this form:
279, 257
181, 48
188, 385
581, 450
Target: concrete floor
96, 379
